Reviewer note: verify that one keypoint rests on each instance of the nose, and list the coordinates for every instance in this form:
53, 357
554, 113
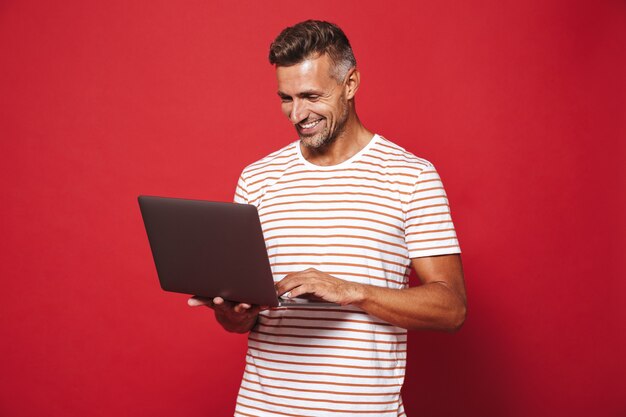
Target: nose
298, 111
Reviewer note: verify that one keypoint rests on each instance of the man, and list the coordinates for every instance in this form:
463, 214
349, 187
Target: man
345, 214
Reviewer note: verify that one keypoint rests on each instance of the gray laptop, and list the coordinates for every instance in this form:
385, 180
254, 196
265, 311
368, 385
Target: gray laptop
211, 249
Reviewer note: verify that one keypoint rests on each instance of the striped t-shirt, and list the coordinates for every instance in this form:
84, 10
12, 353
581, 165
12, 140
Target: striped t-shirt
361, 220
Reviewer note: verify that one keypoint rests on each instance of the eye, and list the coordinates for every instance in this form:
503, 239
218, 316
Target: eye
285, 99
313, 98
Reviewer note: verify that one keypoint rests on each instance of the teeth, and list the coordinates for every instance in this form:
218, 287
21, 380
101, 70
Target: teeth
310, 125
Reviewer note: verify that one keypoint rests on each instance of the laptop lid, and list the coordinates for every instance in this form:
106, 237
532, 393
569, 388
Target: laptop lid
209, 249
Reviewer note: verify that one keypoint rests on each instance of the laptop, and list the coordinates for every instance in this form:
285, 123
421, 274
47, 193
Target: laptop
212, 249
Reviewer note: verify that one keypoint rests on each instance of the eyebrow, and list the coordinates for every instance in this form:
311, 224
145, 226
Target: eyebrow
302, 94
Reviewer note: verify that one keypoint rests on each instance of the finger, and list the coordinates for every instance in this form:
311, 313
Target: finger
196, 301
300, 290
240, 308
219, 304
288, 283
287, 289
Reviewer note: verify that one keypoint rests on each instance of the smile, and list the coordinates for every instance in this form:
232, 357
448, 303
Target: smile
310, 124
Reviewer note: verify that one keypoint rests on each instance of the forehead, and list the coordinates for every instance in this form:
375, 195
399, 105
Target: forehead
310, 74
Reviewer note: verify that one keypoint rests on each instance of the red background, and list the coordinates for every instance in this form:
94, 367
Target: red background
520, 105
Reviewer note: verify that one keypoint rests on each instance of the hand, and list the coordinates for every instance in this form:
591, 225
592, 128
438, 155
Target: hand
234, 317
320, 285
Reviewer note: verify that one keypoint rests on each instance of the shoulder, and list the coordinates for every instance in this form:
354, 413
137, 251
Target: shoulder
274, 162
398, 160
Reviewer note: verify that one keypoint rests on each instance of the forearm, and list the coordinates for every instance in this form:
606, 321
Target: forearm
439, 303
429, 306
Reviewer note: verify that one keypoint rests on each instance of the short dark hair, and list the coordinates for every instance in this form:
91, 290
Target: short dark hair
310, 38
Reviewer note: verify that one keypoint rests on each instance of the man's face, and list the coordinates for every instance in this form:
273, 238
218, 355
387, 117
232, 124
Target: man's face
313, 100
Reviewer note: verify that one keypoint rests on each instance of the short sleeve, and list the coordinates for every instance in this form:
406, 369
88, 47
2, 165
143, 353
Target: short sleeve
428, 226
241, 192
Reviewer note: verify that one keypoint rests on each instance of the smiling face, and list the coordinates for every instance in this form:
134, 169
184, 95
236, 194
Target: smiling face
314, 101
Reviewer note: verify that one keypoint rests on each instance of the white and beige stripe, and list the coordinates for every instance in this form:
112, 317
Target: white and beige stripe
362, 221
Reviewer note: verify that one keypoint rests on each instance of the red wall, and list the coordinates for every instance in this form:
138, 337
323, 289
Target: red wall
520, 105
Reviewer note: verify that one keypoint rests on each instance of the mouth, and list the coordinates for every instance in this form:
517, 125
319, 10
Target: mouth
308, 127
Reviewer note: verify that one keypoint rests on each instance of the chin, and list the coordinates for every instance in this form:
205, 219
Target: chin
317, 141
313, 142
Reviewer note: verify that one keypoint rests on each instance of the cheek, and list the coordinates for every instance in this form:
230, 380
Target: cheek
324, 110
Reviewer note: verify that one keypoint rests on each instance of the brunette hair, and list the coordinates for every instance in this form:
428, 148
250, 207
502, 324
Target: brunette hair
310, 38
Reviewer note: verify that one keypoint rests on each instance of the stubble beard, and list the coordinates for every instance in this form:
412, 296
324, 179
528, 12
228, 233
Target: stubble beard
318, 141
325, 138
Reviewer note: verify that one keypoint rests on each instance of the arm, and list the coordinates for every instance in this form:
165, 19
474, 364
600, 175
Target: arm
440, 303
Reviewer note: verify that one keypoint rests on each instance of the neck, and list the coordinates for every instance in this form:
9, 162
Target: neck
354, 137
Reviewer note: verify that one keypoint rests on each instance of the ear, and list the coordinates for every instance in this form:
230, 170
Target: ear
353, 81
